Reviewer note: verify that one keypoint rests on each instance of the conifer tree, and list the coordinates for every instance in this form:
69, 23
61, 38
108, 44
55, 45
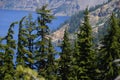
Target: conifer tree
75, 60
10, 46
51, 66
44, 17
65, 58
86, 52
31, 36
110, 51
2, 48
22, 52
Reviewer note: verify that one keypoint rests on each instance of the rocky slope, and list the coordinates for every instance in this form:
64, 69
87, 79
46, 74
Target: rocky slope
98, 20
59, 7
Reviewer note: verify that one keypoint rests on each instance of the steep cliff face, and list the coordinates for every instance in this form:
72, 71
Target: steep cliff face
98, 20
59, 7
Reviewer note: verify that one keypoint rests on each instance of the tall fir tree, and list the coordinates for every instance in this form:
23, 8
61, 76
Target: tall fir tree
31, 36
65, 58
20, 53
2, 49
110, 51
44, 17
23, 55
75, 61
86, 52
9, 47
51, 70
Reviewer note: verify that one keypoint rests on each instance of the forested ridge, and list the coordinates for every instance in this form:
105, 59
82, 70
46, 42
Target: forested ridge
76, 19
34, 53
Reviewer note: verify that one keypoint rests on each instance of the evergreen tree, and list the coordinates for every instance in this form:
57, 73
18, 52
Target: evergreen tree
75, 61
86, 52
44, 17
110, 51
8, 53
31, 36
2, 48
23, 55
65, 58
51, 66
20, 53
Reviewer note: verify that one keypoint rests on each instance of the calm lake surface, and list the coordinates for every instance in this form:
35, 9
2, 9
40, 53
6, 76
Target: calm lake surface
9, 16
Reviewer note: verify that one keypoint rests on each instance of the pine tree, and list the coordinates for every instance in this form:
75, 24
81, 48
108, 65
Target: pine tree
51, 64
20, 53
44, 17
65, 58
86, 52
8, 51
23, 55
2, 49
75, 61
31, 36
110, 51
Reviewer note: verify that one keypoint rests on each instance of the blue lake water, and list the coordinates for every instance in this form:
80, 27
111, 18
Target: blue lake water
9, 16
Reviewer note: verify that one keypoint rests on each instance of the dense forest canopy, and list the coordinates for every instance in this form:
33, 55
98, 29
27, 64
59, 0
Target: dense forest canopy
79, 60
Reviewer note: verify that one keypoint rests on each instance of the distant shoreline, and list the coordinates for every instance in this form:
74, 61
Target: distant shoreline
17, 10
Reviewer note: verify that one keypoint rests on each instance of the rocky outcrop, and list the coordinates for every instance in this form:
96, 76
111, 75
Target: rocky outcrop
98, 19
57, 36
